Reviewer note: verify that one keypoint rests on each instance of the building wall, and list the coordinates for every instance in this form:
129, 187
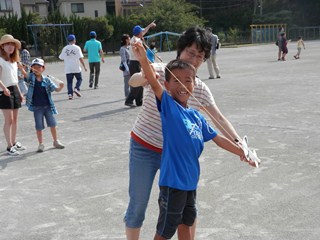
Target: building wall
41, 9
16, 9
91, 7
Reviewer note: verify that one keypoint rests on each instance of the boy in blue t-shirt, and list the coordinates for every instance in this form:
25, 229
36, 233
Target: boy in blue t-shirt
184, 132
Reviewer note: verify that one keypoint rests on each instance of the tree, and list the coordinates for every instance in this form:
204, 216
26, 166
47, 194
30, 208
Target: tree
121, 25
170, 15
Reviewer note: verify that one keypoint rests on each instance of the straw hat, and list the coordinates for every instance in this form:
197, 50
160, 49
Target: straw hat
7, 38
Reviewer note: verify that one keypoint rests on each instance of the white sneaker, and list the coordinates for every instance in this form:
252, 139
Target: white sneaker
13, 151
58, 144
19, 146
40, 147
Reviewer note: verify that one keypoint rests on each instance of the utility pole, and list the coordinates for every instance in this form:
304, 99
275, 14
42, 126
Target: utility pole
260, 5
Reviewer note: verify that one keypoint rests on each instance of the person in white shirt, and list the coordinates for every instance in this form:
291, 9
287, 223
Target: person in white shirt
136, 93
10, 94
72, 57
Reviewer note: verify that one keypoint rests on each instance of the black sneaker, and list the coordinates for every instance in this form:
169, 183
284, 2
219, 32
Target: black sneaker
129, 104
12, 151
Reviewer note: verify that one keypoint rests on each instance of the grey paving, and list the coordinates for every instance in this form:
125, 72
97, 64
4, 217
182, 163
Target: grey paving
80, 193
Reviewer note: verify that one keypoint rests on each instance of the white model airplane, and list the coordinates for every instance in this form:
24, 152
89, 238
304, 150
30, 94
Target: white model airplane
250, 154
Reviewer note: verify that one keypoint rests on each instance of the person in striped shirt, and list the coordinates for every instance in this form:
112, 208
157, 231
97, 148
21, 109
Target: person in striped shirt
146, 136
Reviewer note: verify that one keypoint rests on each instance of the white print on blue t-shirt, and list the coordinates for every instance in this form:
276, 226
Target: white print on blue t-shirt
194, 129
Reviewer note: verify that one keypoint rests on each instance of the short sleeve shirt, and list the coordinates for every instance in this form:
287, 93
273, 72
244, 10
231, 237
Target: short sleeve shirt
184, 132
93, 48
71, 55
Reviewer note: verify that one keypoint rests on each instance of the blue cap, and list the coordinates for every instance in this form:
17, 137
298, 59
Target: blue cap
137, 29
93, 34
71, 37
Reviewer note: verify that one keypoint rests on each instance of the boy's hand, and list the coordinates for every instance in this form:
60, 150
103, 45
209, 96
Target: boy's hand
153, 24
250, 162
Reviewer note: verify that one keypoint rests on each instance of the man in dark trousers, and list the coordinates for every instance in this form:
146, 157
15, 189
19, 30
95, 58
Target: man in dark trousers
136, 93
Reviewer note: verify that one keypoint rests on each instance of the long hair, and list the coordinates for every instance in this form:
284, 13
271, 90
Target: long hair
195, 35
14, 57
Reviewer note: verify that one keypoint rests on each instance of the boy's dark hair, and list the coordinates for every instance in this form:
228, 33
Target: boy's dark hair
23, 45
195, 35
152, 45
177, 64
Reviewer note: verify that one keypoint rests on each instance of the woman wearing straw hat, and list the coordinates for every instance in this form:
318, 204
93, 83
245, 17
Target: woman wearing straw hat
10, 95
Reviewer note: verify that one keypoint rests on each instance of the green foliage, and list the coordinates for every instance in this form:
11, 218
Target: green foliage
222, 37
120, 26
225, 14
233, 35
170, 15
2, 31
283, 16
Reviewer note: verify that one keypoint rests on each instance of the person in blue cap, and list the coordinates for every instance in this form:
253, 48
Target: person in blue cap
72, 57
95, 55
136, 93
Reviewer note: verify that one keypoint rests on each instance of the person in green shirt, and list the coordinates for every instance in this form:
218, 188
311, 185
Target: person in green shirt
95, 55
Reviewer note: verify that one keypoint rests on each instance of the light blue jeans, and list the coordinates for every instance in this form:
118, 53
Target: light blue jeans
143, 166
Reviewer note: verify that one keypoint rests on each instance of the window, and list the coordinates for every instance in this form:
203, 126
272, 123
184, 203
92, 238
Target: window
111, 7
77, 7
5, 5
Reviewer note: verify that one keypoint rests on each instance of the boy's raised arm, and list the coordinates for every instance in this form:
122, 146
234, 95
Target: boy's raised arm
149, 72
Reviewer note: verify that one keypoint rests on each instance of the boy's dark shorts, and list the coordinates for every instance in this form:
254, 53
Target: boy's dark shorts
10, 102
176, 207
